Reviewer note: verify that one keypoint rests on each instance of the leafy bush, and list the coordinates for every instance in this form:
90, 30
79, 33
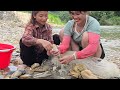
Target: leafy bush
114, 20
52, 18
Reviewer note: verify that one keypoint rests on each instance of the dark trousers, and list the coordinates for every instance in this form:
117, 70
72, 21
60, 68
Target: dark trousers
29, 56
103, 53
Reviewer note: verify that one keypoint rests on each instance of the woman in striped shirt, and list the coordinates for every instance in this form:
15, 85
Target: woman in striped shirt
37, 39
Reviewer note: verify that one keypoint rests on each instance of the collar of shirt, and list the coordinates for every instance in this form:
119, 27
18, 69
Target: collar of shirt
42, 28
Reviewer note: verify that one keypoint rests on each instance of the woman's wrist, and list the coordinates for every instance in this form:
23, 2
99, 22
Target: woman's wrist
58, 46
74, 56
39, 41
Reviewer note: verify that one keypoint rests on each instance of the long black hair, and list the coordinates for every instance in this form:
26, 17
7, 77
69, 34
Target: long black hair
32, 20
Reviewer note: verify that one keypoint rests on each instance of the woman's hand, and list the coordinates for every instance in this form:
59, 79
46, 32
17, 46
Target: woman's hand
66, 59
55, 53
48, 53
46, 44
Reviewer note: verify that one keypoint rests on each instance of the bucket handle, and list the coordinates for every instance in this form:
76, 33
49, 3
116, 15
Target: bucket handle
7, 50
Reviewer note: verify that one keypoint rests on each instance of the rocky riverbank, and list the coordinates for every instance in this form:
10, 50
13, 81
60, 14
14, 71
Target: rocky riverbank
11, 31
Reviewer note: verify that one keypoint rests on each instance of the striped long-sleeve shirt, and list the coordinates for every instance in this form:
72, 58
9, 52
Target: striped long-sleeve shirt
34, 32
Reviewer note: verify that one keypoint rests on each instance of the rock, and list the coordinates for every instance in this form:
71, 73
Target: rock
26, 76
35, 65
17, 73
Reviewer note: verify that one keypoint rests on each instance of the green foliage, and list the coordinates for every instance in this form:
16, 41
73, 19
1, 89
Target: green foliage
114, 20
104, 17
107, 17
63, 15
52, 18
117, 13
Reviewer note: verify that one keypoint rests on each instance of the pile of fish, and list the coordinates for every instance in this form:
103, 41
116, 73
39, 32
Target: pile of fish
80, 71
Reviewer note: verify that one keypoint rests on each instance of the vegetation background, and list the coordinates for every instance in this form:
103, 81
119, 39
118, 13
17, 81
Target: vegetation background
104, 17
108, 18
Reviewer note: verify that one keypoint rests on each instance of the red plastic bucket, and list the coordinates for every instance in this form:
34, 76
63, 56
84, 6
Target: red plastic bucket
5, 55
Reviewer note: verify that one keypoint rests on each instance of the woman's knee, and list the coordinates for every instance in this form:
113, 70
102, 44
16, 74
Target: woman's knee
74, 46
85, 40
100, 52
61, 34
